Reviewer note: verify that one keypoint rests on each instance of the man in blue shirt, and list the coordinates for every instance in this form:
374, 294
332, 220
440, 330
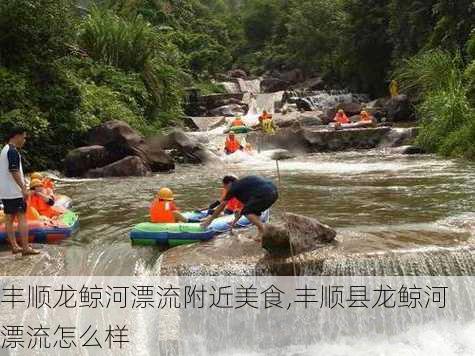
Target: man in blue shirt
256, 193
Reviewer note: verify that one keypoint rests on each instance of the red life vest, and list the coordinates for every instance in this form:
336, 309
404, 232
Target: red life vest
233, 204
162, 212
232, 145
37, 202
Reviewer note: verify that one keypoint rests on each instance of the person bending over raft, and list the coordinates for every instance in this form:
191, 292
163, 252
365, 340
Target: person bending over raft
40, 200
233, 205
163, 209
256, 193
232, 144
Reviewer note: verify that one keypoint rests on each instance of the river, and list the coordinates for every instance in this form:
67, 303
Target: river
378, 203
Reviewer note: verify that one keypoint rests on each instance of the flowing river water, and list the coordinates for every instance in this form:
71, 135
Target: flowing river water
379, 203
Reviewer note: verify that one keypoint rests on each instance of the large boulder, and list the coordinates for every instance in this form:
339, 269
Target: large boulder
237, 73
316, 83
272, 85
407, 150
82, 159
399, 108
228, 110
189, 148
305, 234
129, 166
154, 156
293, 76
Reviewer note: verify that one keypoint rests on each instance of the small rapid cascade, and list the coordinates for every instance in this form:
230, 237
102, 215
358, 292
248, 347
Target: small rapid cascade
323, 100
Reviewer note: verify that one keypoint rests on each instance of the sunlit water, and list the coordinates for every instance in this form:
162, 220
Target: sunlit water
376, 201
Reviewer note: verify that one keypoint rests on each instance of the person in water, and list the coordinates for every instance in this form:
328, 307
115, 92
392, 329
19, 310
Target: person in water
341, 118
40, 200
13, 191
232, 144
163, 209
233, 206
263, 116
256, 193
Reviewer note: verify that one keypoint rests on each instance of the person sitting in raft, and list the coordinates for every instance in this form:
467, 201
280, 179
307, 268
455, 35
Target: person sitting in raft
237, 122
365, 118
232, 144
341, 118
48, 184
40, 200
263, 116
268, 125
163, 209
256, 193
233, 206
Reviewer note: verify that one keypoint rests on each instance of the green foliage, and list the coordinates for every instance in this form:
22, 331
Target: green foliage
448, 117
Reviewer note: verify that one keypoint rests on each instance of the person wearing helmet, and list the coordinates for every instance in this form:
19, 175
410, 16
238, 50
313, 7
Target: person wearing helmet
365, 118
233, 205
232, 144
341, 118
48, 184
237, 122
40, 200
256, 193
268, 125
163, 209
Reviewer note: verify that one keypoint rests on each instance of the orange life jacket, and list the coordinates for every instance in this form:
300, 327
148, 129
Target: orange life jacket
232, 145
365, 117
237, 122
341, 118
37, 202
233, 204
162, 212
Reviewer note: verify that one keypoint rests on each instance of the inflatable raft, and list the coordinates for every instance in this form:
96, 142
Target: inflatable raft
49, 231
239, 129
186, 233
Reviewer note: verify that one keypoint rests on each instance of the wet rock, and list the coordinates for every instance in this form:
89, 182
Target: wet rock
305, 234
311, 118
82, 159
272, 85
129, 166
204, 123
189, 148
302, 139
407, 150
313, 84
399, 108
155, 157
280, 155
237, 73
228, 110
117, 137
400, 137
293, 76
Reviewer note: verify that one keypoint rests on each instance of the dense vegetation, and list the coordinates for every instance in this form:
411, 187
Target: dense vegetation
67, 65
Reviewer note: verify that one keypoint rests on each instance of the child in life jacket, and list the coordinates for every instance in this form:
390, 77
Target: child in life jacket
163, 209
234, 205
40, 200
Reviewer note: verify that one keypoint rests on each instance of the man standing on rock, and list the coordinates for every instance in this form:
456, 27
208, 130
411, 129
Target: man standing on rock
256, 193
13, 191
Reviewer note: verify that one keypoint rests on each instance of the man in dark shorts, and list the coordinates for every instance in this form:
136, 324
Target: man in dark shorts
256, 193
13, 191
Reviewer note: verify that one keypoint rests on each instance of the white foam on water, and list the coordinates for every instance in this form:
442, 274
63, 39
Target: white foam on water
447, 338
